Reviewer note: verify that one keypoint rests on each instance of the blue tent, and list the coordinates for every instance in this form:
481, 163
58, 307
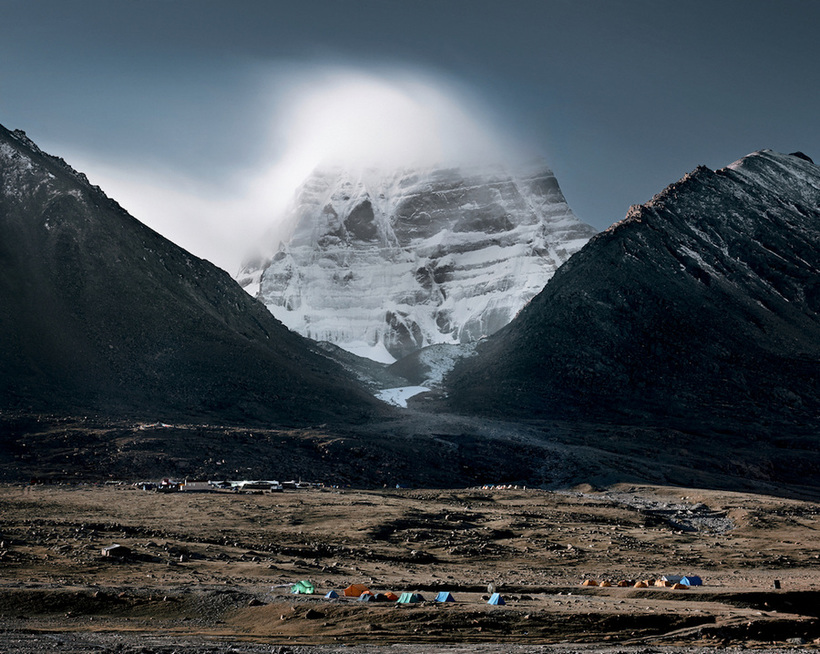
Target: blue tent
367, 597
332, 594
496, 598
445, 596
691, 580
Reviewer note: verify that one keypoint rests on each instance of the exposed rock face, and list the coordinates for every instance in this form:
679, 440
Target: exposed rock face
100, 313
703, 305
384, 264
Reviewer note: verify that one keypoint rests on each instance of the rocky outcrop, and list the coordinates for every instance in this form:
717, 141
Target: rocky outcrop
384, 265
101, 314
701, 307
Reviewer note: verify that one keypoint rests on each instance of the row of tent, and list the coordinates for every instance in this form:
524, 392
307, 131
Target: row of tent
668, 581
364, 594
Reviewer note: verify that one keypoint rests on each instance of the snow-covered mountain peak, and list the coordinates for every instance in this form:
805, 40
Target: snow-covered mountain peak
384, 263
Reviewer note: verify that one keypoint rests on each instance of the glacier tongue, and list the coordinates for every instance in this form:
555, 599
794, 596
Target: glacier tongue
385, 264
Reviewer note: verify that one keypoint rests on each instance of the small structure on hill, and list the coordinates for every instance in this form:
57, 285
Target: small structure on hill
332, 594
167, 486
445, 596
197, 485
691, 580
116, 551
496, 600
271, 486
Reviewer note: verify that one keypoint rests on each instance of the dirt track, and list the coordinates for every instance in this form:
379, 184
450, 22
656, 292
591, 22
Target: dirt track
216, 567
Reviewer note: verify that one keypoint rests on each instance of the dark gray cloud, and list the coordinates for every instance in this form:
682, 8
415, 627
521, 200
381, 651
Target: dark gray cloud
621, 97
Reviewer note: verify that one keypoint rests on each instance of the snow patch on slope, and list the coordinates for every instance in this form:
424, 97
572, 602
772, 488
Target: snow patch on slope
399, 396
390, 263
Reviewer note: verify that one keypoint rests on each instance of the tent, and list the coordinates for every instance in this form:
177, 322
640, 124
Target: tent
496, 599
445, 596
367, 597
354, 590
671, 578
691, 580
605, 584
679, 586
332, 594
303, 587
410, 598
641, 584
391, 597
589, 582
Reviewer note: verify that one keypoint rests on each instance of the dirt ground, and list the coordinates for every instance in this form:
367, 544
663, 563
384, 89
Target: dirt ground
210, 569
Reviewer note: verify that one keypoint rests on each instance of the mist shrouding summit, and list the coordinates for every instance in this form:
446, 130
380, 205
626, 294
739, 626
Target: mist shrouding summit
388, 120
392, 119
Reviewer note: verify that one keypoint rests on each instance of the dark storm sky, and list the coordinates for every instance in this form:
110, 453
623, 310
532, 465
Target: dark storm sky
621, 98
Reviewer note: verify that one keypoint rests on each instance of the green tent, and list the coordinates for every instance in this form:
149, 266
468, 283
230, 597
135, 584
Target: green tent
303, 587
410, 598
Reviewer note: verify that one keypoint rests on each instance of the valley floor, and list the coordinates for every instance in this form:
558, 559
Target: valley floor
208, 571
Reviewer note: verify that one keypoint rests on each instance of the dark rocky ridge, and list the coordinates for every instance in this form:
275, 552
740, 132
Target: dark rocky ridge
102, 314
699, 310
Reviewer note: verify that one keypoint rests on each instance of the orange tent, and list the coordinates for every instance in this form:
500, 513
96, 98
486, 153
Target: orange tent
589, 582
641, 584
391, 596
354, 590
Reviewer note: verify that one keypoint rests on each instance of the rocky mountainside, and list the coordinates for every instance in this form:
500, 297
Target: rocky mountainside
384, 265
101, 314
701, 309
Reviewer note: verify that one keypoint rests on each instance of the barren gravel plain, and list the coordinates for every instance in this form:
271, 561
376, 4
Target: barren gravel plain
211, 572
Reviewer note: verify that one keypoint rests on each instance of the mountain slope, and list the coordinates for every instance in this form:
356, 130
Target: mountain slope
385, 264
700, 307
102, 314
